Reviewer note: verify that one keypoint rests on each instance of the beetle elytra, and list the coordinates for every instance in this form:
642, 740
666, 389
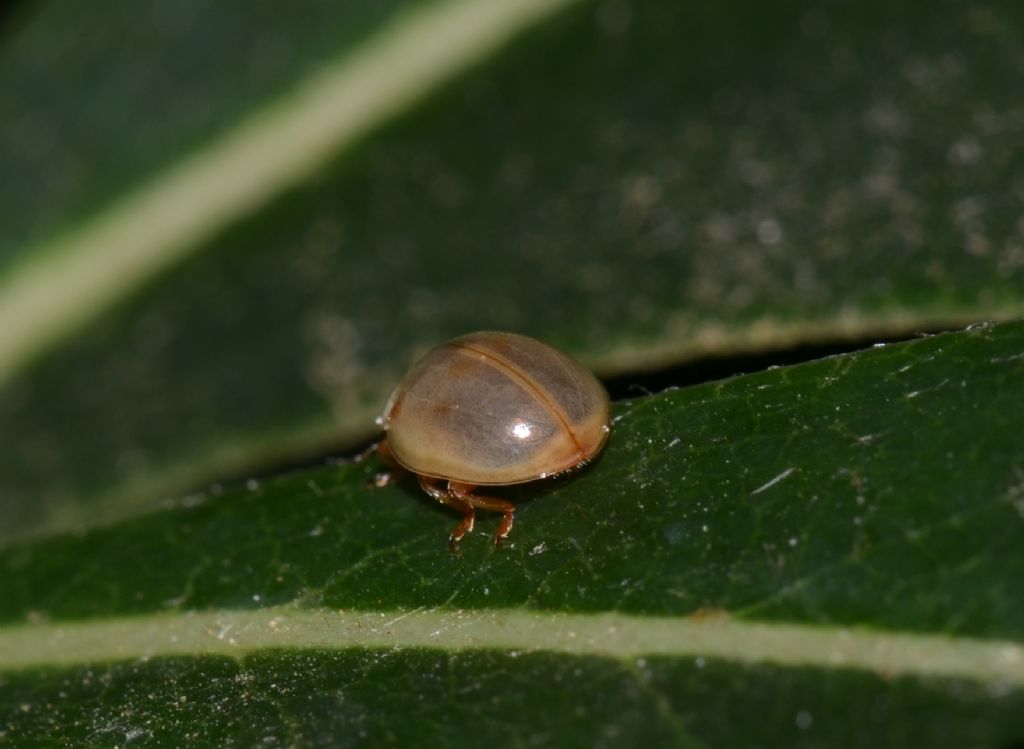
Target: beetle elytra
489, 409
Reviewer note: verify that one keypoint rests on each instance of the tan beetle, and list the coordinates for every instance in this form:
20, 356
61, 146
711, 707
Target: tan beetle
489, 409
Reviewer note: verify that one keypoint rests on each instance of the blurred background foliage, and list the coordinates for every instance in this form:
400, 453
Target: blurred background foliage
642, 184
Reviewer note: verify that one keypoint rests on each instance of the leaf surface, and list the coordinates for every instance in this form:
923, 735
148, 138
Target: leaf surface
834, 547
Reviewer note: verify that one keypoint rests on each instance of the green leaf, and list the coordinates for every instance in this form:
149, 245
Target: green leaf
823, 554
638, 183
167, 63
328, 107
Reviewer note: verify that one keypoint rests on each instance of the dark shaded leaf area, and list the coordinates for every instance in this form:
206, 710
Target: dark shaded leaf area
428, 698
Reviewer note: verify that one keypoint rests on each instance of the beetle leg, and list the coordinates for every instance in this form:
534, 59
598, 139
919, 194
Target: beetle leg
376, 447
381, 449
445, 496
464, 492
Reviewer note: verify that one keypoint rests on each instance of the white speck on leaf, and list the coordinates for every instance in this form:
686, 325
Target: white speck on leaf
134, 733
774, 481
965, 152
769, 232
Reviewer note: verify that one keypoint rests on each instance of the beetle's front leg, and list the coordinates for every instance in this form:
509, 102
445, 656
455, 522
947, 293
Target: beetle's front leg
382, 451
444, 495
464, 492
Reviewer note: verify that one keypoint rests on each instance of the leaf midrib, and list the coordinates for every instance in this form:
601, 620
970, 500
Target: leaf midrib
74, 277
237, 633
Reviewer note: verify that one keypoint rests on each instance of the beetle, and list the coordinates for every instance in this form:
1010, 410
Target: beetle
492, 409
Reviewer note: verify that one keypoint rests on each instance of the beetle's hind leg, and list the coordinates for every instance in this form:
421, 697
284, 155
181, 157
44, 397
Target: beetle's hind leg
464, 493
443, 494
